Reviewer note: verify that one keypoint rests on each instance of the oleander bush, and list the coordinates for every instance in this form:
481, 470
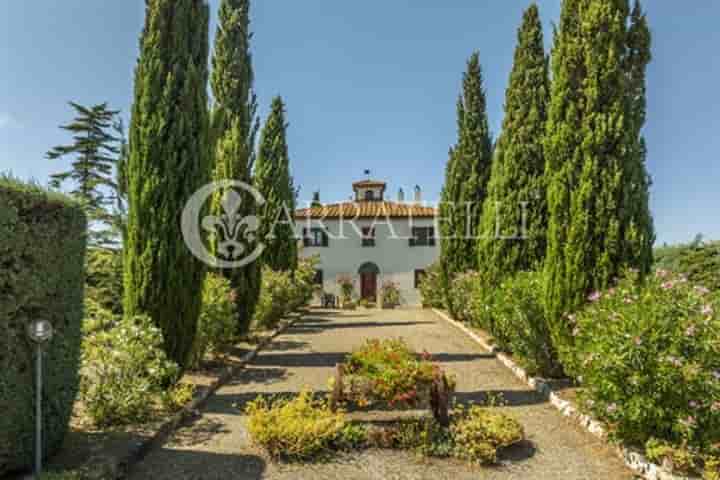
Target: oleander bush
284, 292
217, 324
125, 372
42, 257
519, 324
698, 260
432, 287
300, 428
648, 358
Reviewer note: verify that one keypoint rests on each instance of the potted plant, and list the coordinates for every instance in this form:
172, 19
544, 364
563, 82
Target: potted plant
389, 294
347, 288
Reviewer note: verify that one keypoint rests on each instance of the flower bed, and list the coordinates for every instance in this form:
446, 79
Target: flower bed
389, 373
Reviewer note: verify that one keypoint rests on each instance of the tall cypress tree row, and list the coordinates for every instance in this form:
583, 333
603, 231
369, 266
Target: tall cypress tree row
587, 147
514, 220
168, 162
273, 181
640, 232
466, 176
234, 127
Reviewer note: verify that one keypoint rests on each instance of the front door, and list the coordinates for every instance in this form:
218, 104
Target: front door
368, 286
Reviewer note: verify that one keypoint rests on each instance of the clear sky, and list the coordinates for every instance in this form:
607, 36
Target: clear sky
369, 84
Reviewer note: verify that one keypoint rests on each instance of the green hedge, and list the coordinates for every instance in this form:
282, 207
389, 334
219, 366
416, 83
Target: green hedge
42, 253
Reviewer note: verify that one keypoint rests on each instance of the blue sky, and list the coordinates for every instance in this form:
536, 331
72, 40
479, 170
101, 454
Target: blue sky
368, 84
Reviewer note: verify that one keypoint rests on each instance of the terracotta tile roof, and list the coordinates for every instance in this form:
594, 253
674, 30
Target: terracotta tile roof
365, 209
369, 183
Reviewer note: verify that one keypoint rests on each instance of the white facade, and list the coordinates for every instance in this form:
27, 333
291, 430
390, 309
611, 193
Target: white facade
394, 257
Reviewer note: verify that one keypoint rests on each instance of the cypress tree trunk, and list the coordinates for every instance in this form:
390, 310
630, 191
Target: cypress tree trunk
466, 177
274, 182
168, 162
234, 126
588, 146
514, 220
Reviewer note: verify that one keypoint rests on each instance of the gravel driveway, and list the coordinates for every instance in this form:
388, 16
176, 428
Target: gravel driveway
216, 445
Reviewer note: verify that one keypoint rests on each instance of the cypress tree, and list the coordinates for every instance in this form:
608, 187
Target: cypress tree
96, 154
234, 127
466, 176
587, 147
273, 181
514, 220
640, 232
168, 162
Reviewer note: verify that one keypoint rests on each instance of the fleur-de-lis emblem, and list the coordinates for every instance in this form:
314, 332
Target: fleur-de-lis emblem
231, 228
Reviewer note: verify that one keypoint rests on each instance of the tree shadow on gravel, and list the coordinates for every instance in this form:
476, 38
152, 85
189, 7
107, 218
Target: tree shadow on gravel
500, 398
315, 327
172, 464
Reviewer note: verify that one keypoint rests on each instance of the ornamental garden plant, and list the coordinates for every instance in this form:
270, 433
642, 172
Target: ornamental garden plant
647, 357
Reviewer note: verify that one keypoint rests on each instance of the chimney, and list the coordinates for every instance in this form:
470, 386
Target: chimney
401, 195
418, 194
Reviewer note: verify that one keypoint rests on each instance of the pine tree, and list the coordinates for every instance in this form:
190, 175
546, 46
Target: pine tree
640, 233
273, 181
168, 163
234, 127
587, 147
514, 220
96, 154
466, 175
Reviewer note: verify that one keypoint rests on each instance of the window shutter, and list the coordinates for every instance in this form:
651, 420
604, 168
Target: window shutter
325, 239
431, 236
306, 240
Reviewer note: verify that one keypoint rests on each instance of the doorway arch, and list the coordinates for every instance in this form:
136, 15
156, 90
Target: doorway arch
368, 272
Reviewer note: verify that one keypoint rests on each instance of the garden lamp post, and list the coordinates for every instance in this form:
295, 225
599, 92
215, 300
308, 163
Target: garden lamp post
40, 332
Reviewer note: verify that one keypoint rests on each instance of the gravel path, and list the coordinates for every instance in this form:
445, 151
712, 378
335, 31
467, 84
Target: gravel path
216, 445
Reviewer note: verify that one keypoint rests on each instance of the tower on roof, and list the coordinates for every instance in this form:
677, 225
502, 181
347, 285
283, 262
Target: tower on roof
369, 190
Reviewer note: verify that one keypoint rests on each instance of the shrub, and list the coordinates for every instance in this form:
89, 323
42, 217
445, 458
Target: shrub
218, 318
478, 433
464, 288
303, 282
274, 299
104, 279
432, 288
125, 370
520, 325
388, 371
390, 293
347, 287
700, 261
42, 254
648, 357
296, 429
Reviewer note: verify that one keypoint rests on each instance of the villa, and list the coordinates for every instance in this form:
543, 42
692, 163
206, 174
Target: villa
372, 240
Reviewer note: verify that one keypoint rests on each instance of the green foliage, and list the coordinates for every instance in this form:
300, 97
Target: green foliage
274, 182
514, 220
125, 370
104, 279
479, 433
347, 287
217, 326
466, 177
593, 128
424, 436
648, 357
167, 164
96, 153
42, 253
700, 261
67, 475
388, 371
519, 319
234, 128
283, 293
294, 429
390, 293
431, 287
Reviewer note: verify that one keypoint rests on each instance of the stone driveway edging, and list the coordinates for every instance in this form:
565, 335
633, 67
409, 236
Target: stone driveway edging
635, 460
117, 467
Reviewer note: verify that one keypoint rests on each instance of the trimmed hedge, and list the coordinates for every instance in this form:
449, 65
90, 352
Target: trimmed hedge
42, 255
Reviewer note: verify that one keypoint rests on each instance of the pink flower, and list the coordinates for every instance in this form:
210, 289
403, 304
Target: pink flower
661, 273
690, 331
715, 407
612, 408
668, 285
595, 296
628, 300
611, 291
638, 341
693, 404
716, 375
688, 422
701, 290
707, 310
